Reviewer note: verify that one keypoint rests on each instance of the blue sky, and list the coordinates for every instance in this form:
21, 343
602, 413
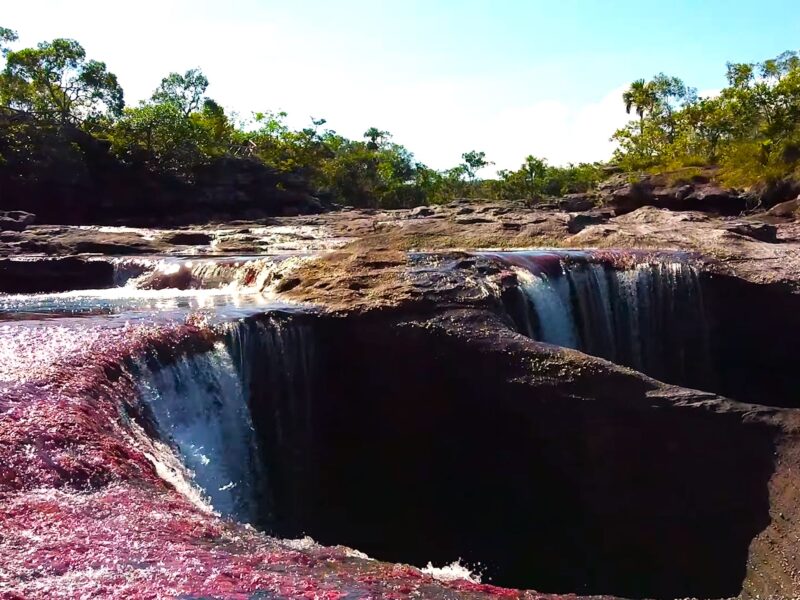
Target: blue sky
509, 77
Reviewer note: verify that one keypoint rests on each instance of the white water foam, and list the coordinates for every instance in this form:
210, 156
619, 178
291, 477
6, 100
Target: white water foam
455, 571
649, 317
200, 406
555, 314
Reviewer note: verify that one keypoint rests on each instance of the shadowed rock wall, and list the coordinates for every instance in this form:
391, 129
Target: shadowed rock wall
754, 340
431, 441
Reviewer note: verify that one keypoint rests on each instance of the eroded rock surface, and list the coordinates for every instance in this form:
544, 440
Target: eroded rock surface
438, 430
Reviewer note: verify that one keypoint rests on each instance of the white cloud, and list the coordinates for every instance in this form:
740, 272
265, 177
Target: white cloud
710, 93
439, 121
556, 131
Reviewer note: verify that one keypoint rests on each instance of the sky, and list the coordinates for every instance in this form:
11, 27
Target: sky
507, 77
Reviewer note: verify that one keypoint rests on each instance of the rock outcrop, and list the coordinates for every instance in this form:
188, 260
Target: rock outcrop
430, 429
695, 193
787, 210
15, 220
557, 471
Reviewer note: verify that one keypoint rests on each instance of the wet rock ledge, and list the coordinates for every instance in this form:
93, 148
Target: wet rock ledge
433, 429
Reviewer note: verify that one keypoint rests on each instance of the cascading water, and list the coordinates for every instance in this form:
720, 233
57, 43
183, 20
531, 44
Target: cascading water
195, 273
205, 406
648, 316
199, 404
278, 362
306, 425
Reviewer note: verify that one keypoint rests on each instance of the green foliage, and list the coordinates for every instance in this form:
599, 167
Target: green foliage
535, 178
51, 93
7, 36
751, 130
185, 91
177, 129
376, 137
35, 153
271, 141
157, 135
473, 162
368, 174
55, 82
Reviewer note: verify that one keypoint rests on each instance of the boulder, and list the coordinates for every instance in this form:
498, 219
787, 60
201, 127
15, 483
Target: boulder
697, 194
421, 212
180, 279
15, 220
713, 198
762, 232
629, 197
7, 224
576, 202
776, 192
580, 221
789, 209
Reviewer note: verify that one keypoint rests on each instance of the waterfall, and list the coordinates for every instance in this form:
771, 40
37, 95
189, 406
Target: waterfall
129, 268
207, 273
188, 273
226, 411
556, 323
279, 362
649, 316
200, 407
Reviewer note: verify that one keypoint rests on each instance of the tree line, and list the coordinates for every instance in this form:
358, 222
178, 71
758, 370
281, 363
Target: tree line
750, 130
179, 128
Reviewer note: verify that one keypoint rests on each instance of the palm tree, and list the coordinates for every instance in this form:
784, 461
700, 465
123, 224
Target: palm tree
642, 98
376, 137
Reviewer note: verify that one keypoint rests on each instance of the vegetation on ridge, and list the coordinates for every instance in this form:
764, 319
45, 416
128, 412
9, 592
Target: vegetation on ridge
751, 130
180, 129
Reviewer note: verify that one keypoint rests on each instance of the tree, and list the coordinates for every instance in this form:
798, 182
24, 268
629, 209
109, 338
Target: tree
185, 91
160, 136
473, 162
641, 98
750, 130
312, 133
740, 75
154, 132
672, 94
534, 170
7, 36
54, 81
213, 130
376, 137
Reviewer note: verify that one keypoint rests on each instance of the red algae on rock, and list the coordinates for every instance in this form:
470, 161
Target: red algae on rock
85, 512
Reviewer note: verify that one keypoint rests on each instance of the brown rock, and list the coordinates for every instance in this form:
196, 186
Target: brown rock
576, 202
15, 220
789, 209
580, 221
695, 195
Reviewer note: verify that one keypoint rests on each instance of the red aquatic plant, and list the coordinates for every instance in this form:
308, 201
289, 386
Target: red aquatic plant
85, 514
